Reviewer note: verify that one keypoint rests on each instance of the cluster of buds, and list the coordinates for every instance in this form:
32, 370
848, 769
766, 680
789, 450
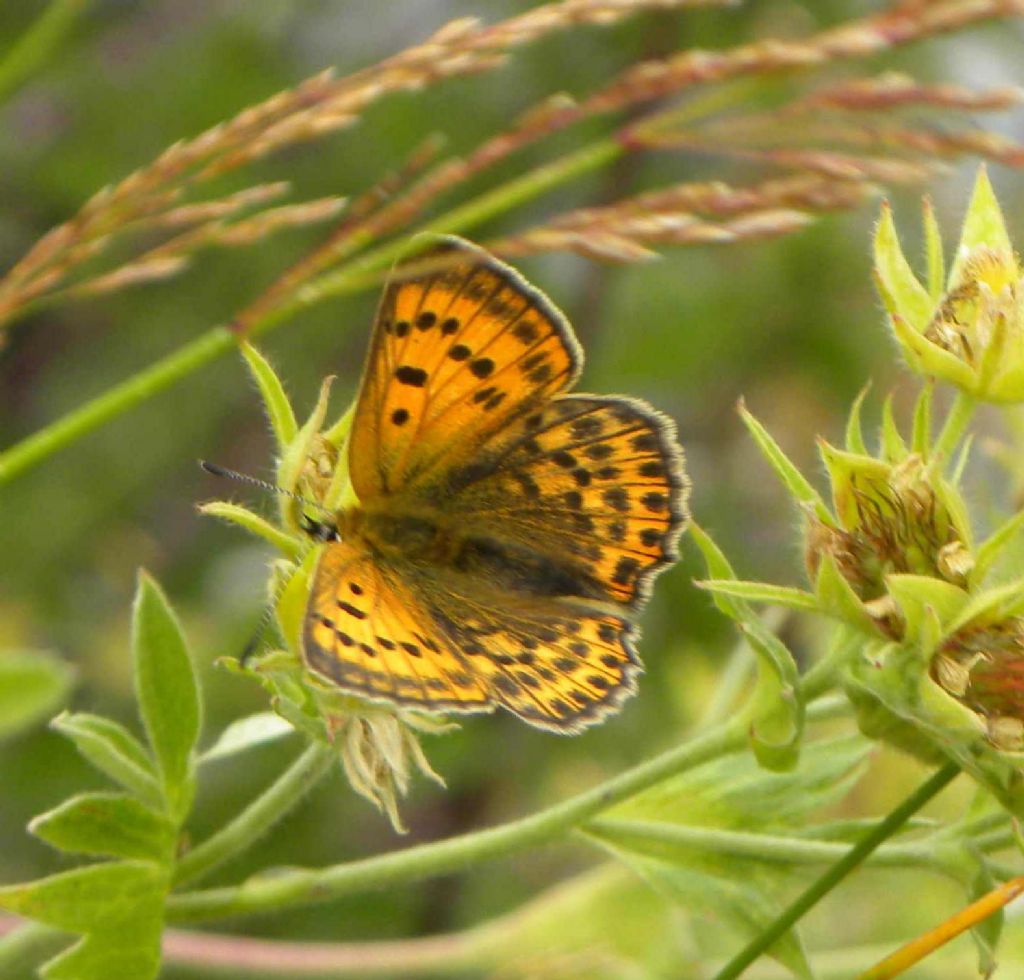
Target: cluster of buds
932, 633
378, 746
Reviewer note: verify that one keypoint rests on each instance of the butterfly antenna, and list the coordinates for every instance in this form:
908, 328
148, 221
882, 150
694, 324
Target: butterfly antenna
321, 530
251, 480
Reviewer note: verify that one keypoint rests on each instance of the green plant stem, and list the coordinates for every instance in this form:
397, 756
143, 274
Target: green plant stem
361, 272
960, 413
301, 887
257, 818
853, 857
37, 45
766, 848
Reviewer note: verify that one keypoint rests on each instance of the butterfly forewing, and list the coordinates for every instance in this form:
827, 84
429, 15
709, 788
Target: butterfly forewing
505, 530
457, 353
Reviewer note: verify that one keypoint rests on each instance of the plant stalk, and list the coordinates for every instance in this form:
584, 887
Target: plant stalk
360, 273
257, 818
834, 875
302, 887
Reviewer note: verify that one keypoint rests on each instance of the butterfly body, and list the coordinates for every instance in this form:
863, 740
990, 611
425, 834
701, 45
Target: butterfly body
503, 532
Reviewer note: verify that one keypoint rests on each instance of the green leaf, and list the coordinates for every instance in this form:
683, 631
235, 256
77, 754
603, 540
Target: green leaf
988, 551
901, 292
253, 730
297, 452
103, 955
921, 436
254, 524
107, 825
734, 792
794, 480
33, 684
894, 448
779, 595
984, 226
96, 896
113, 750
836, 596
742, 903
118, 905
992, 604
933, 253
776, 706
986, 934
279, 409
167, 691
854, 432
915, 594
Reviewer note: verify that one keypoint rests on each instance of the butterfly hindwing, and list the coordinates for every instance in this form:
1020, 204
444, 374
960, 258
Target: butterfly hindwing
444, 641
366, 630
462, 349
596, 482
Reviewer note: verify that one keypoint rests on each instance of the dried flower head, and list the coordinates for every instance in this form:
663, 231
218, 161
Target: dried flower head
891, 518
983, 668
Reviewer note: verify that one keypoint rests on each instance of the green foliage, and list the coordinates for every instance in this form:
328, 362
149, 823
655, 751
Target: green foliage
902, 626
118, 905
32, 685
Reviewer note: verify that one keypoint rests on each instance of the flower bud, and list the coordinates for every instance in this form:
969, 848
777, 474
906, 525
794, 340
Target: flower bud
968, 331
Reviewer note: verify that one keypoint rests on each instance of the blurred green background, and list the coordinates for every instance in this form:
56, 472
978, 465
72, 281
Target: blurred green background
792, 325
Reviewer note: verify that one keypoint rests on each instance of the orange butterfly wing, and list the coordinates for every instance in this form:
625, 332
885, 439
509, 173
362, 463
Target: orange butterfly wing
456, 354
503, 527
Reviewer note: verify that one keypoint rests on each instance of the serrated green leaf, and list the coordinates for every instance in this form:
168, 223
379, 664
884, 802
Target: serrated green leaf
33, 684
246, 519
118, 905
279, 409
734, 792
113, 750
743, 904
854, 432
779, 595
901, 292
933, 253
246, 733
167, 692
107, 825
97, 896
794, 480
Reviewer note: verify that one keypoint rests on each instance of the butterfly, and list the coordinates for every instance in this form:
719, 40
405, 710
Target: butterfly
506, 531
